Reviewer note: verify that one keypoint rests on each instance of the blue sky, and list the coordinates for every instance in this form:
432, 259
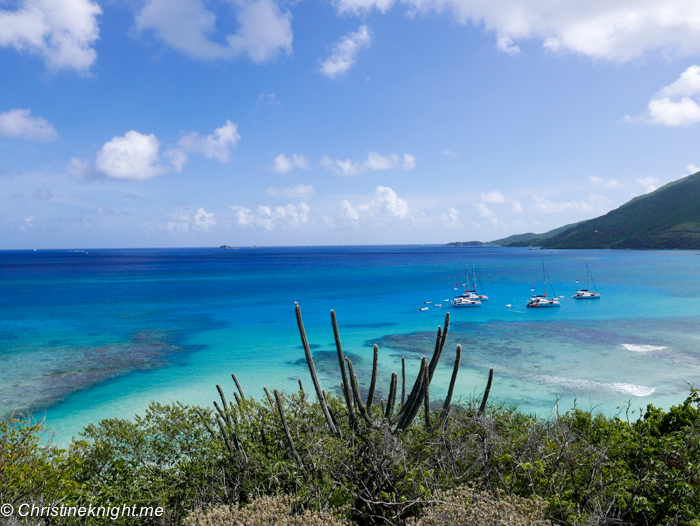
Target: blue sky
150, 123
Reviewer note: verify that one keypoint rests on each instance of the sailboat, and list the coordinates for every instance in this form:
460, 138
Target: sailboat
541, 300
587, 293
467, 299
473, 294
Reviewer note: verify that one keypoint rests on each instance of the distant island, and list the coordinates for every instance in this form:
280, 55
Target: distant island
667, 218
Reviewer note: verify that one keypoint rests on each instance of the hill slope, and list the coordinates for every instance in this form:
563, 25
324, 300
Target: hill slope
530, 239
665, 218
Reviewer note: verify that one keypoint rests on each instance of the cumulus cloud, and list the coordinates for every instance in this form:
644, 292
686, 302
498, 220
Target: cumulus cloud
300, 191
516, 207
182, 222
486, 213
28, 224
283, 164
217, 144
62, 32
137, 157
187, 25
649, 183
265, 218
676, 104
615, 30
43, 193
451, 218
134, 157
493, 197
20, 124
79, 167
594, 203
345, 51
605, 183
375, 161
382, 208
691, 169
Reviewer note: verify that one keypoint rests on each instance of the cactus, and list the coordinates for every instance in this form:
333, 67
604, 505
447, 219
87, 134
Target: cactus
403, 381
356, 393
312, 370
224, 413
392, 396
426, 399
301, 387
482, 408
290, 442
238, 386
446, 406
373, 382
414, 401
344, 384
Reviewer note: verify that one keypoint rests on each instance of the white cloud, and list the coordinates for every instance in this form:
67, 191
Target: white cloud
649, 183
517, 208
28, 224
178, 222
133, 157
616, 30
691, 169
375, 161
264, 218
43, 193
507, 45
136, 156
187, 25
345, 51
493, 197
300, 191
486, 213
78, 167
283, 164
20, 124
673, 105
62, 32
451, 218
595, 203
203, 220
217, 144
382, 208
609, 183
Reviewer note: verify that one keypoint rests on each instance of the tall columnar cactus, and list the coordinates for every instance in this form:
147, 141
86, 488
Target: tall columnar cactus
373, 382
310, 361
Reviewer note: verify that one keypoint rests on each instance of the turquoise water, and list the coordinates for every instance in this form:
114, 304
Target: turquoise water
97, 334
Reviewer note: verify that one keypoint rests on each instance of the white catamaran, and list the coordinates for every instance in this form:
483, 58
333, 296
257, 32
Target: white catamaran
468, 299
541, 300
587, 293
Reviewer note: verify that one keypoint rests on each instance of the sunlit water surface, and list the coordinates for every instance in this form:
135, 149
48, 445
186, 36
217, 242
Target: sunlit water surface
101, 333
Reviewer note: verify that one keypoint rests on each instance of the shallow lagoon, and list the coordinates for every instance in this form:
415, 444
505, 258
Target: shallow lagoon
97, 334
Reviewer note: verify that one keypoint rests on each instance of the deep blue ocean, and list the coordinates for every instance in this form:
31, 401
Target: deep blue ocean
95, 334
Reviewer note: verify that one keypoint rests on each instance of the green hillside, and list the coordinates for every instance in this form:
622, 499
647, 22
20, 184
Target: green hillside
667, 218
530, 239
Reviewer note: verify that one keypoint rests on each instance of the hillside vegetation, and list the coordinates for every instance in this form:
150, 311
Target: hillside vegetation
667, 218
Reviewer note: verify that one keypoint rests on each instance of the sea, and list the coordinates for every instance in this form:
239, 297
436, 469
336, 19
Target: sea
87, 335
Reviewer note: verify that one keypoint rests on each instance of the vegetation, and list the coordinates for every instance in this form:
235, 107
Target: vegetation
667, 218
336, 459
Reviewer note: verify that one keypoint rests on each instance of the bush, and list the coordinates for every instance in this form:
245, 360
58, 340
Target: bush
266, 511
467, 506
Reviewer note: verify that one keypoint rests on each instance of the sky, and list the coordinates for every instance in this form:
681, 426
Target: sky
174, 123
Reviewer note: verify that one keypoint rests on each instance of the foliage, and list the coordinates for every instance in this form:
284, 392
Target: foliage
265, 511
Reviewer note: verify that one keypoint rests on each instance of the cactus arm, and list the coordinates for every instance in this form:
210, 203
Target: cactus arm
426, 398
446, 406
285, 427
238, 386
373, 382
403, 381
345, 385
392, 396
312, 370
487, 391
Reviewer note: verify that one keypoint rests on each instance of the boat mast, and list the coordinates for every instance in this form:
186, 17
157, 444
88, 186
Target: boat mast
587, 286
544, 277
474, 268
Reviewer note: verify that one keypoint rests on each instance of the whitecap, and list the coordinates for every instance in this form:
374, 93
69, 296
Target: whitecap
588, 385
641, 348
634, 390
